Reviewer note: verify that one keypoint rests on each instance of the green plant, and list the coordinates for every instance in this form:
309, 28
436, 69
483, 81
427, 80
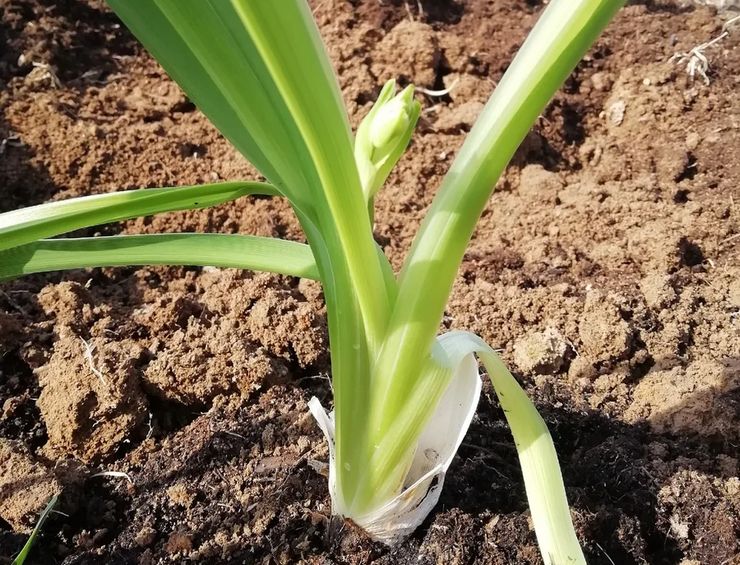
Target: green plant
28, 546
403, 397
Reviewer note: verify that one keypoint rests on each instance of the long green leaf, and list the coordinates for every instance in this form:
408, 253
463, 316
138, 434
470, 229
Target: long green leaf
289, 44
193, 249
561, 37
201, 47
23, 555
46, 220
543, 480
258, 70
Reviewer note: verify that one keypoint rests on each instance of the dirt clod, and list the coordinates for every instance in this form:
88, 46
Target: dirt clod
393, 59
90, 397
541, 352
26, 486
605, 335
179, 542
694, 399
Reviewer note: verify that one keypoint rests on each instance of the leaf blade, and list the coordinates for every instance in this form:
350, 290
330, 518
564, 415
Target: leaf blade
53, 218
190, 249
266, 61
28, 546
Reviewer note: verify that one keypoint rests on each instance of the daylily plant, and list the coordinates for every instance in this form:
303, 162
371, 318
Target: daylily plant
403, 396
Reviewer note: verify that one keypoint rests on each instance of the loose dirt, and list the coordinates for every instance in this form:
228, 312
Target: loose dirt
605, 267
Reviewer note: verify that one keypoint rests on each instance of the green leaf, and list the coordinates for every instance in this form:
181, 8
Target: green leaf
193, 249
23, 555
191, 41
561, 37
259, 71
54, 218
543, 480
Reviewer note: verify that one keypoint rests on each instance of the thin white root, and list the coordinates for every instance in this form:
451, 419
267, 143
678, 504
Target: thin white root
436, 93
88, 353
117, 474
696, 60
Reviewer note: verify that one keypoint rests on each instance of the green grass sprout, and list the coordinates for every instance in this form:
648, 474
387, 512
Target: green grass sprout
28, 546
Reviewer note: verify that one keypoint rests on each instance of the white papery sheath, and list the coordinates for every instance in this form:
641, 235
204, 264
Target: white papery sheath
441, 438
437, 446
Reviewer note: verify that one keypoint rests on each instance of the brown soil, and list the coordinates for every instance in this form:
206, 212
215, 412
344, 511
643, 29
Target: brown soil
605, 267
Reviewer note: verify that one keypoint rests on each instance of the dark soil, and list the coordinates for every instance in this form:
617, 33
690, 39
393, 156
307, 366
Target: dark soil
606, 268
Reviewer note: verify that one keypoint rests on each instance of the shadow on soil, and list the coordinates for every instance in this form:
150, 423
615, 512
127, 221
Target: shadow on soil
21, 182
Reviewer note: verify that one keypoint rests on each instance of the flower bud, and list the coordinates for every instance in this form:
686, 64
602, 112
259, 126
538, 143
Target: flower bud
384, 134
389, 122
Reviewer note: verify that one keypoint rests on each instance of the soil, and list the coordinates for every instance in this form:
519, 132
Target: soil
605, 268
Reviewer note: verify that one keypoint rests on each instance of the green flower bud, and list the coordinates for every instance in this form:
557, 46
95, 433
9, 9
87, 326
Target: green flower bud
384, 134
389, 122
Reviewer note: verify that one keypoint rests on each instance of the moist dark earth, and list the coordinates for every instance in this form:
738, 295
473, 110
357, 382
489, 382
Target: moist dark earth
606, 268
